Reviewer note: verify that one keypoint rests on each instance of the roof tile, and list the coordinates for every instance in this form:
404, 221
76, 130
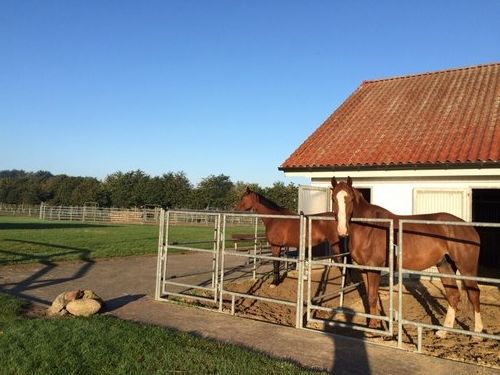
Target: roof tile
445, 117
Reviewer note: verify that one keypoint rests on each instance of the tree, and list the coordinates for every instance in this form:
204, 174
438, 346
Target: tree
20, 187
212, 193
135, 188
176, 190
238, 190
284, 195
127, 189
87, 189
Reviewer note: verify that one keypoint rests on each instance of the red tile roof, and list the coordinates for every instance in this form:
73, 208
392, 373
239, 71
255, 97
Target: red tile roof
449, 118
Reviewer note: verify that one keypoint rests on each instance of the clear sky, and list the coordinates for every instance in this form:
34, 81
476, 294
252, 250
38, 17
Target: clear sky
88, 88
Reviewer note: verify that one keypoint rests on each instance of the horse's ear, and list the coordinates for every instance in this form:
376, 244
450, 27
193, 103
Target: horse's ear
349, 181
334, 182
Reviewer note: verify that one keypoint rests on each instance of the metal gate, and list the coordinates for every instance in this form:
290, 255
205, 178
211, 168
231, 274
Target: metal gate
213, 289
186, 285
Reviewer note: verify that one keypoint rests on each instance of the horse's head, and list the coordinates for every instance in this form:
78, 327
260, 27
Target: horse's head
246, 202
343, 199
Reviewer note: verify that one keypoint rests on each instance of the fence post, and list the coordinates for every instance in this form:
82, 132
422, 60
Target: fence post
300, 273
400, 284
159, 262
41, 211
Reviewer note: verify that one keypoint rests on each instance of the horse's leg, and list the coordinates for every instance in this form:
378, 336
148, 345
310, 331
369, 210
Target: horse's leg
472, 289
335, 250
473, 292
373, 278
365, 284
276, 252
452, 295
344, 249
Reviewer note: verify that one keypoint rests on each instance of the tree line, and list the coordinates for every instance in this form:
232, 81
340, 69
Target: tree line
135, 189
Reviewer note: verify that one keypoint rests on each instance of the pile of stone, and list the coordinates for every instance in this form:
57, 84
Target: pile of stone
76, 302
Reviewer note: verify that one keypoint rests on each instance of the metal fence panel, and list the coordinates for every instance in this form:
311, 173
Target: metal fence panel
220, 222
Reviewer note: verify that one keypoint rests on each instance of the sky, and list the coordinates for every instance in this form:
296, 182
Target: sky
89, 88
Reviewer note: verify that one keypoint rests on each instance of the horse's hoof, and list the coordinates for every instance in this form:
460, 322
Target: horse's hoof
478, 338
441, 334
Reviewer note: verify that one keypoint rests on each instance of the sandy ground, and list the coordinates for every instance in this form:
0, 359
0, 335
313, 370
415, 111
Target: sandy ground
423, 300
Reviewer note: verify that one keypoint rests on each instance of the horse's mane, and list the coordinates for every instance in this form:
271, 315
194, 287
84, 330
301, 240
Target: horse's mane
269, 203
364, 204
358, 196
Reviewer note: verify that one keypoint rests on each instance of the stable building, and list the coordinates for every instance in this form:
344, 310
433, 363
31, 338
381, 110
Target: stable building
414, 144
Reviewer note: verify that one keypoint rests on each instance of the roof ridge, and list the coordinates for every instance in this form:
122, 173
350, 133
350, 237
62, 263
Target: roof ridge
429, 73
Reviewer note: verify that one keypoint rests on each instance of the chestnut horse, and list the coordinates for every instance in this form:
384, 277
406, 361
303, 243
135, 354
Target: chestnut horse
449, 247
283, 232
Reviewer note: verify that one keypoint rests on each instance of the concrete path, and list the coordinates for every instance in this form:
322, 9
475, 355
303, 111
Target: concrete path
127, 285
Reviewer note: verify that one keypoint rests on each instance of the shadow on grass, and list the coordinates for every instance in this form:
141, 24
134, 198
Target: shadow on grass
44, 225
41, 278
83, 253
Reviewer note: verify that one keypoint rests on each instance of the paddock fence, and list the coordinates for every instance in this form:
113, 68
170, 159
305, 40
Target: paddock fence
418, 324
95, 214
348, 314
226, 262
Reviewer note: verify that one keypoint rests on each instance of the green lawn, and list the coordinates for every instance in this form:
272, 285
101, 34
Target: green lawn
24, 240
106, 345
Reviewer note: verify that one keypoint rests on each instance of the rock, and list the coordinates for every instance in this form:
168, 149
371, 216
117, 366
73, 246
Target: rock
60, 302
57, 305
83, 307
72, 295
82, 303
90, 294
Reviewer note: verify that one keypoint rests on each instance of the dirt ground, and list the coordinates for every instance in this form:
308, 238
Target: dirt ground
423, 301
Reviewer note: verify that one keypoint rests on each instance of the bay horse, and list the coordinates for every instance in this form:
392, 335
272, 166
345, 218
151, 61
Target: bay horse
449, 247
283, 232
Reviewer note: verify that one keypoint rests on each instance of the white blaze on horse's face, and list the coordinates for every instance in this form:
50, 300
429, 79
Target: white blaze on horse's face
341, 214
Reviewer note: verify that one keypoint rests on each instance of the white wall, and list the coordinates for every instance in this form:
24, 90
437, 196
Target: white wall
397, 194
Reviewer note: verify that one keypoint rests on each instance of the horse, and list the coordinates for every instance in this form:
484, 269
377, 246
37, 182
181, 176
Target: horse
283, 232
449, 247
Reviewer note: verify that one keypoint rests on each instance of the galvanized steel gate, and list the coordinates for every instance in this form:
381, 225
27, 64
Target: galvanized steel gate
212, 290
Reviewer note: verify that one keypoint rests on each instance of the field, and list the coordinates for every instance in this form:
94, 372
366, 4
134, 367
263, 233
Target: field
106, 345
26, 240
103, 344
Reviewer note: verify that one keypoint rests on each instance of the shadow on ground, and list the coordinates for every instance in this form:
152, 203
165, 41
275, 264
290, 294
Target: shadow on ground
39, 278
116, 303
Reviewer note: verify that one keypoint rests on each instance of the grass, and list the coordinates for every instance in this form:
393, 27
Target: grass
106, 345
26, 240
103, 344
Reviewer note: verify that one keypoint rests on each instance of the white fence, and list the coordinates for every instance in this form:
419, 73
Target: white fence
96, 214
304, 262
19, 210
84, 213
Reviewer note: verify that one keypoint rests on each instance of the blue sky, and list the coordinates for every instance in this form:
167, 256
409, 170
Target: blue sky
207, 87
